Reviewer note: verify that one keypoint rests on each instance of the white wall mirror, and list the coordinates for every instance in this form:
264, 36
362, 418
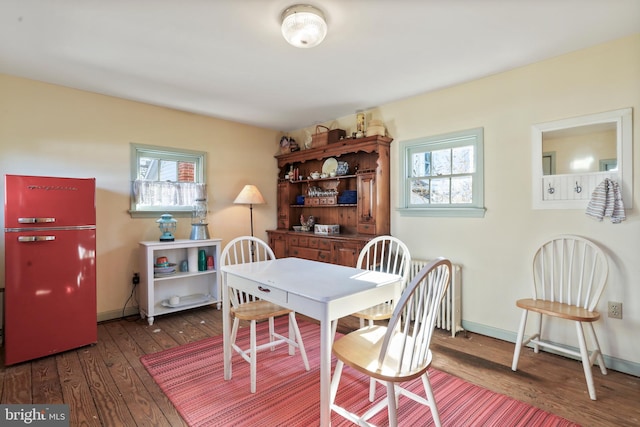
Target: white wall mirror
570, 157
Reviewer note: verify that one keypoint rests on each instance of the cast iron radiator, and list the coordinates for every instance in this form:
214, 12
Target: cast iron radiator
450, 316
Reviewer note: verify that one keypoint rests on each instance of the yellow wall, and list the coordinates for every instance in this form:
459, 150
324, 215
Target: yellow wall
496, 250
55, 131
50, 130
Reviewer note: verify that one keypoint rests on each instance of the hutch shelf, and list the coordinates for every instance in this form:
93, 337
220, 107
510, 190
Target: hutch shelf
361, 219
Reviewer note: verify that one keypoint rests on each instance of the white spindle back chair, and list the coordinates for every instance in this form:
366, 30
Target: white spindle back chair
569, 276
390, 255
400, 351
247, 249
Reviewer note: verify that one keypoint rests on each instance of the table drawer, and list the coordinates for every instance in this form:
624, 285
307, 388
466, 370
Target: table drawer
270, 293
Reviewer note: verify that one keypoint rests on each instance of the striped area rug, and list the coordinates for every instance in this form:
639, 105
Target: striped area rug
191, 376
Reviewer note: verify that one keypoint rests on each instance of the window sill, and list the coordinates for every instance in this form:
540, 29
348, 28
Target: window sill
444, 212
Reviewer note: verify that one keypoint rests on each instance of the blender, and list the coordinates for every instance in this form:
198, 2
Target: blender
199, 226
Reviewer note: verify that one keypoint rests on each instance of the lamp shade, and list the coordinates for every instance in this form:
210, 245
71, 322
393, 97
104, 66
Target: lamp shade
303, 26
250, 195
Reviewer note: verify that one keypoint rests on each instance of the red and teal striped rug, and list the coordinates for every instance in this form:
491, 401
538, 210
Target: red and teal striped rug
191, 376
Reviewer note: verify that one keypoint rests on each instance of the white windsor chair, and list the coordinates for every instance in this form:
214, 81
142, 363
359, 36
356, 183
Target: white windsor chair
569, 275
400, 351
387, 254
390, 255
247, 249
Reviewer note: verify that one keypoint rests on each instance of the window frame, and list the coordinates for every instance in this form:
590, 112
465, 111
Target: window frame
166, 153
475, 209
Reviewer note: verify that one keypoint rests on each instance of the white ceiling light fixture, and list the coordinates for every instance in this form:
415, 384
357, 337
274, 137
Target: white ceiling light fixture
303, 26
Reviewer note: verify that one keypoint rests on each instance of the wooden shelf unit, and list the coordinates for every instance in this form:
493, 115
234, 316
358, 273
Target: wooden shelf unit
368, 175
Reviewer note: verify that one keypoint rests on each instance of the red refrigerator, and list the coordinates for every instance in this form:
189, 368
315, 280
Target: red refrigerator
50, 266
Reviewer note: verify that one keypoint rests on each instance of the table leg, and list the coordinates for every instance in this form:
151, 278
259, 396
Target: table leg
292, 335
226, 330
325, 370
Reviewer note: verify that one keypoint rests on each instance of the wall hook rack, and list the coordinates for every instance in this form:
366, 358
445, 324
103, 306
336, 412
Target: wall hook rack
551, 190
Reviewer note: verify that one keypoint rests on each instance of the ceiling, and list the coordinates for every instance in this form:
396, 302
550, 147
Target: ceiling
227, 58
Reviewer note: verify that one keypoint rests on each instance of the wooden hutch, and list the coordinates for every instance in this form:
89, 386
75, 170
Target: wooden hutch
368, 216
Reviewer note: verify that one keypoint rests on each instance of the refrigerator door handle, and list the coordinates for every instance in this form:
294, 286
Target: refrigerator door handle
35, 220
26, 239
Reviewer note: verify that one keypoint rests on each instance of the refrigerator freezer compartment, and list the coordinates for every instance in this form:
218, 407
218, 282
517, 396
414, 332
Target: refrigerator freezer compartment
36, 202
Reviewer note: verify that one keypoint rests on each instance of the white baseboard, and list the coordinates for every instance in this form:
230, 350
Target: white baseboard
620, 365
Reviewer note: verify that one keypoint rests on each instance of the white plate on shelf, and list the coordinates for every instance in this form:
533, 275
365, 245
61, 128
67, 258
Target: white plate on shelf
168, 274
329, 165
188, 300
171, 268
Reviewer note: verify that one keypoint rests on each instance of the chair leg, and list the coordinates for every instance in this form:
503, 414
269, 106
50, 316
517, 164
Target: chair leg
234, 334
536, 347
334, 328
293, 324
234, 330
600, 358
516, 351
392, 407
271, 331
432, 400
586, 364
253, 356
335, 381
372, 389
372, 382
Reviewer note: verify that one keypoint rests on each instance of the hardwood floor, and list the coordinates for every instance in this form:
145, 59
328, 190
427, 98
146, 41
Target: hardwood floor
106, 385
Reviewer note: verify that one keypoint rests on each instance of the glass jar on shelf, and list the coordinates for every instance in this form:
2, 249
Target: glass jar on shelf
199, 225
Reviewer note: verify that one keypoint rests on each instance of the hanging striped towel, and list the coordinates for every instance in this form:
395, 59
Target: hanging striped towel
606, 200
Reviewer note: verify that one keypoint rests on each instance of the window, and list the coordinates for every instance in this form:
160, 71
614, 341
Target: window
165, 180
443, 175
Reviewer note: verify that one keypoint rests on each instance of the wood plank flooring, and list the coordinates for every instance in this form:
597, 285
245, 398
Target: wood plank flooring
106, 385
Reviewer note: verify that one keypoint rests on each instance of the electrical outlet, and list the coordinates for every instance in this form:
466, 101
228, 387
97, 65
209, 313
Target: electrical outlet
615, 310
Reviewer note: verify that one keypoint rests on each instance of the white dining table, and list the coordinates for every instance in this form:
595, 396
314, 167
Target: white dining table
319, 290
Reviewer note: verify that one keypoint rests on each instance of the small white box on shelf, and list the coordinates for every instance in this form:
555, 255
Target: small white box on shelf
326, 229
